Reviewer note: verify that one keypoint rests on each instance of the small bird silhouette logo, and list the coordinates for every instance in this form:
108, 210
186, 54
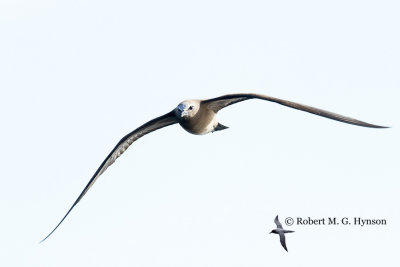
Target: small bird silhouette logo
281, 232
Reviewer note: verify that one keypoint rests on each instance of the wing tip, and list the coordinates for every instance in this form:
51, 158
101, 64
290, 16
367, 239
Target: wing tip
65, 216
366, 124
51, 232
378, 126
46, 237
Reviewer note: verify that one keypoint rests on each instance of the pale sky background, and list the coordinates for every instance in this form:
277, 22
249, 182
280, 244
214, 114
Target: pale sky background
76, 76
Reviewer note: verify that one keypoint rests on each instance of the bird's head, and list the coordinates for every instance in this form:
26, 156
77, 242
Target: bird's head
187, 109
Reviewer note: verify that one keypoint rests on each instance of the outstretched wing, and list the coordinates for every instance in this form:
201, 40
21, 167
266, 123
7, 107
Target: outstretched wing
120, 148
221, 102
278, 224
283, 241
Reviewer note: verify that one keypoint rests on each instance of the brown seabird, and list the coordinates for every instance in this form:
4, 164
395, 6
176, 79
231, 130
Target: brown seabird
199, 117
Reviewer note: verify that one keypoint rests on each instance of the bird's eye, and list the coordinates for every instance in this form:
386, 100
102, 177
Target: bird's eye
191, 107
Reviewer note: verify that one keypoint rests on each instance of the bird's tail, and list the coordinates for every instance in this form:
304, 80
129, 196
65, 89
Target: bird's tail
220, 127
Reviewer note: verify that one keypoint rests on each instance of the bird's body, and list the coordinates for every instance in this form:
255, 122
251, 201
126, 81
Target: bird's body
281, 231
199, 117
202, 122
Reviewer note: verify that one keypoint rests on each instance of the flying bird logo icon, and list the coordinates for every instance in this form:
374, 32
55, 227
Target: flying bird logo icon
281, 232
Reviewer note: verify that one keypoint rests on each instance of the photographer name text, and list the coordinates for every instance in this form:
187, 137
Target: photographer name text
358, 221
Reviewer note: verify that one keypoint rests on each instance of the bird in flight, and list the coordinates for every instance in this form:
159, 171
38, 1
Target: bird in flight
281, 232
199, 117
